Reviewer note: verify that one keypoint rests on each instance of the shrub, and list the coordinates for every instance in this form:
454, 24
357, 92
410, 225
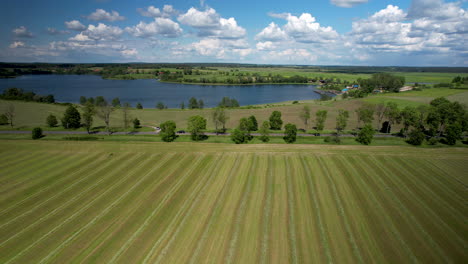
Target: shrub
37, 133
416, 137
433, 141
238, 136
52, 121
366, 135
136, 123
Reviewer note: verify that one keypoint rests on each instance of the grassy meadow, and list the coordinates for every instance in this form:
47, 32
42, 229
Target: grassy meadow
214, 72
122, 202
30, 114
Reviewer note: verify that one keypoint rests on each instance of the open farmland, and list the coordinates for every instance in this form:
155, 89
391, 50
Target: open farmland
107, 202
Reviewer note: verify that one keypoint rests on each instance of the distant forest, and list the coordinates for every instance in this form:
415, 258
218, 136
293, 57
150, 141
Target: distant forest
15, 69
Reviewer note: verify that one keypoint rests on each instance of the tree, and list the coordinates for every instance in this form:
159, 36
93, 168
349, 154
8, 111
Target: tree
228, 102
136, 123
126, 115
220, 118
88, 113
238, 136
193, 103
392, 113
290, 133
104, 111
100, 100
341, 120
182, 105
320, 118
275, 120
264, 131
83, 100
91, 100
365, 114
253, 123
305, 115
160, 106
139, 106
196, 125
409, 117
416, 137
10, 113
366, 134
37, 133
116, 102
244, 125
51, 121
71, 118
380, 112
453, 132
168, 129
201, 104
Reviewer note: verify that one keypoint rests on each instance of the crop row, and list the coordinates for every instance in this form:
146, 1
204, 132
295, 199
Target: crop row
229, 207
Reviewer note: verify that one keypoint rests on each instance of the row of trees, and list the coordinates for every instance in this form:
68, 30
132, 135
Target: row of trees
19, 94
72, 118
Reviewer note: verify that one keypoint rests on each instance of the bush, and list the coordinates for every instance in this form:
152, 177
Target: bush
238, 136
37, 133
290, 133
366, 135
52, 121
136, 123
433, 141
416, 137
334, 139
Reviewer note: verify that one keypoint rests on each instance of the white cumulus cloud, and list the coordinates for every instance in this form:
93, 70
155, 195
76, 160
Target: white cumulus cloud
151, 11
103, 15
211, 24
75, 25
101, 32
160, 26
272, 33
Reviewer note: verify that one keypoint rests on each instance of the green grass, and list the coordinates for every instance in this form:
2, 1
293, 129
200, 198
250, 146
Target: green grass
152, 202
30, 114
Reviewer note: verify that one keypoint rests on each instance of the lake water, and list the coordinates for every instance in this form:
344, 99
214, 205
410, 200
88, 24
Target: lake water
69, 88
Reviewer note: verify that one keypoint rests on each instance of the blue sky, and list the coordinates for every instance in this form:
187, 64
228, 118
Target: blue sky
320, 32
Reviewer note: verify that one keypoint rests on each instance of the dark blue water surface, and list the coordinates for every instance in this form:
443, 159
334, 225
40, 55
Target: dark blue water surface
69, 88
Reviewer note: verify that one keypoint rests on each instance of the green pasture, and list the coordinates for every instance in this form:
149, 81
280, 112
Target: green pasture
144, 202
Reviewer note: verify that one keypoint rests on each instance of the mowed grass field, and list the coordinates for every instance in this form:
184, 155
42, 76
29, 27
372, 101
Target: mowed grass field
108, 202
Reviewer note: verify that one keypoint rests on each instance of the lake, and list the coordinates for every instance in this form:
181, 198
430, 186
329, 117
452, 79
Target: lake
69, 88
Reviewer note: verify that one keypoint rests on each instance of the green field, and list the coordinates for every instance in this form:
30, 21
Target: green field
108, 202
